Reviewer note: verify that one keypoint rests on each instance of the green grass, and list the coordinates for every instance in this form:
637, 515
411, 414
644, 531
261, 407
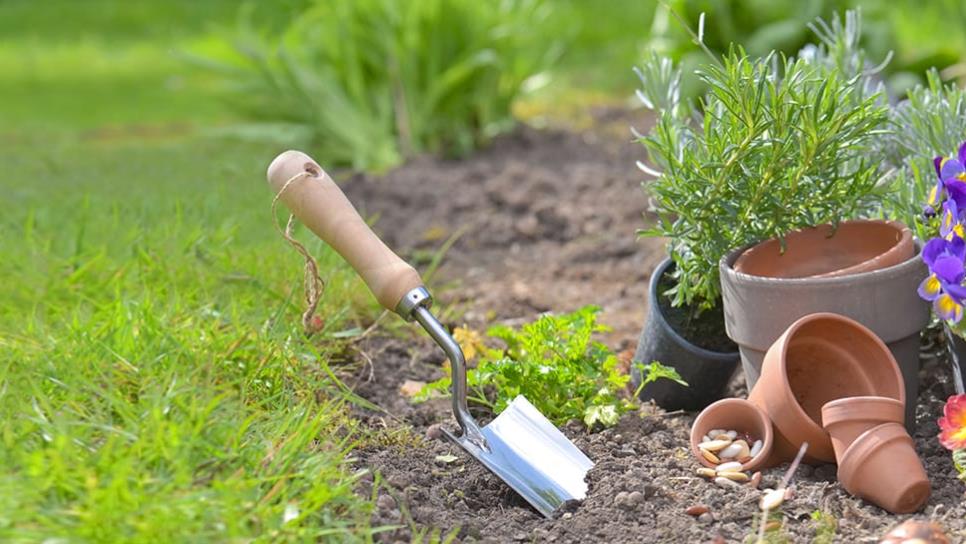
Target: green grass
154, 381
155, 384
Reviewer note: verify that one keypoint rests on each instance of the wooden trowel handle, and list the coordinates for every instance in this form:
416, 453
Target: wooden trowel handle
319, 204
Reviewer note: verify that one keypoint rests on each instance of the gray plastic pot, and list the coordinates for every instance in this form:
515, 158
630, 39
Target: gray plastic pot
706, 372
759, 309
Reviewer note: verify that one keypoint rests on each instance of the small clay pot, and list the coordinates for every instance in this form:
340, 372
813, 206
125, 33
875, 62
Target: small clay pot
845, 419
735, 415
826, 252
706, 372
882, 467
820, 358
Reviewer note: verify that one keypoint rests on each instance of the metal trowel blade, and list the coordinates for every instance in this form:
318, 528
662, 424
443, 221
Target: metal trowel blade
529, 453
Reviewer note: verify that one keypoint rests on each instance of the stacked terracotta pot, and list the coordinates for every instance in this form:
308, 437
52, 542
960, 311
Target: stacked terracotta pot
831, 382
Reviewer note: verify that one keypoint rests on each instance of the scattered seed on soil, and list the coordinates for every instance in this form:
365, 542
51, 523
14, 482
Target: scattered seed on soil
734, 476
696, 510
710, 456
726, 467
707, 472
714, 445
755, 480
772, 499
756, 448
725, 482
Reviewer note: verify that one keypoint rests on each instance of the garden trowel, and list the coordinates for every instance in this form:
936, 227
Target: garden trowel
520, 446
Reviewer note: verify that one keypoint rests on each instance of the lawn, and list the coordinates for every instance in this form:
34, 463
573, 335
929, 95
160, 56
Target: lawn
155, 384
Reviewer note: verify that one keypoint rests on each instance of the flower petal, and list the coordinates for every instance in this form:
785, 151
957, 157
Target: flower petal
935, 194
933, 249
951, 168
948, 309
948, 268
962, 153
930, 288
956, 291
938, 163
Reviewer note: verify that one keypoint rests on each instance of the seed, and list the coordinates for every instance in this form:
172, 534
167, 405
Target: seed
705, 438
710, 456
732, 451
696, 510
756, 448
755, 480
714, 445
722, 436
725, 482
775, 525
734, 476
715, 432
728, 467
772, 499
745, 451
732, 434
707, 472
745, 459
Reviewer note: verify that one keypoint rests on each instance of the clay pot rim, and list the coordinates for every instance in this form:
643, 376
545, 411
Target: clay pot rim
659, 270
811, 425
726, 267
849, 463
904, 232
835, 411
767, 440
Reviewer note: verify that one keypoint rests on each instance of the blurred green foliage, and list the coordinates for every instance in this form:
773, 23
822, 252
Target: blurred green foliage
920, 35
372, 82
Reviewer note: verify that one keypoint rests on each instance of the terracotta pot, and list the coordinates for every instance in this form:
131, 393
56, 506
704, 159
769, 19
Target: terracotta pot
736, 415
758, 310
825, 251
845, 419
820, 358
882, 467
706, 372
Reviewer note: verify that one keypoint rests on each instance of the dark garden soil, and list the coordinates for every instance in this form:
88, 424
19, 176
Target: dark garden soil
546, 221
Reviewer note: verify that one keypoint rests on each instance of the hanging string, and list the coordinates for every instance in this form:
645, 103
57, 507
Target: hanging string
313, 285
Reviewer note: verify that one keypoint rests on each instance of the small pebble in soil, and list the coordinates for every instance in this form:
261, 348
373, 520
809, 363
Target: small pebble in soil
696, 510
434, 432
567, 515
385, 502
706, 518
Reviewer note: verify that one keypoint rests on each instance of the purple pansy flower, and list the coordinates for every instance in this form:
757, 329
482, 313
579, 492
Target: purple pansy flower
944, 285
952, 169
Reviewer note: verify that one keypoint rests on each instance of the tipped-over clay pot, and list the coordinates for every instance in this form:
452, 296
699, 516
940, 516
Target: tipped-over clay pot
734, 415
845, 419
882, 467
820, 358
825, 252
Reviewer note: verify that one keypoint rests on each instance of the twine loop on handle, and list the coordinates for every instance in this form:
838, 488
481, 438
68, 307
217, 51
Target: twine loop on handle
313, 285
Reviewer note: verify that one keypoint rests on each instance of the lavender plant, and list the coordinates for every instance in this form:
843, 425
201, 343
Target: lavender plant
775, 145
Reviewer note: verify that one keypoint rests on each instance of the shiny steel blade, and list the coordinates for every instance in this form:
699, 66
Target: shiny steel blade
529, 453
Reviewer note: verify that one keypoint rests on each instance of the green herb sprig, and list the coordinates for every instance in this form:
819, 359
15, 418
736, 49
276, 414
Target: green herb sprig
556, 365
775, 145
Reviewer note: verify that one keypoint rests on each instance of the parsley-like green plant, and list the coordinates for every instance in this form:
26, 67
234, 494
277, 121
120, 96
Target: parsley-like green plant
557, 366
775, 145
